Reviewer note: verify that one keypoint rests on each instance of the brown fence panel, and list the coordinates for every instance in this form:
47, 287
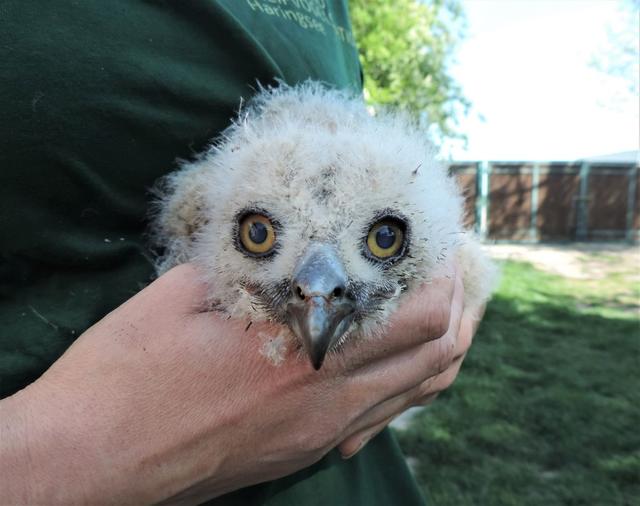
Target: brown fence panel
557, 198
550, 201
607, 198
465, 175
510, 202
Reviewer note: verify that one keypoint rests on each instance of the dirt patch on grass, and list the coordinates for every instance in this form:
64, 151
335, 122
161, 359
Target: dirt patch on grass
588, 261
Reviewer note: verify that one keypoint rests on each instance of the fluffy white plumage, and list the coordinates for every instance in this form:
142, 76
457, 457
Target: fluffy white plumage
324, 170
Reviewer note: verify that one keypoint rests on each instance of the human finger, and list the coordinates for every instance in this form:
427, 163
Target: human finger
352, 445
356, 441
391, 375
411, 325
382, 415
420, 395
425, 313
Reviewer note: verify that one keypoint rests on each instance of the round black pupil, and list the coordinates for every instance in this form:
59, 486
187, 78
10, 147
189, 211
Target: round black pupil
258, 232
385, 237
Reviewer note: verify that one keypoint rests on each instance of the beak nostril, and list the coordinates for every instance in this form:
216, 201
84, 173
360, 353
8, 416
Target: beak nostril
300, 293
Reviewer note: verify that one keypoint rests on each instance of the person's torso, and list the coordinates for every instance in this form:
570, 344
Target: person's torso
98, 100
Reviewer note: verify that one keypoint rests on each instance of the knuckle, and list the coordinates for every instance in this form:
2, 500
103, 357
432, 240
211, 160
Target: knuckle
447, 378
444, 358
426, 388
443, 365
464, 342
436, 320
465, 335
460, 355
427, 399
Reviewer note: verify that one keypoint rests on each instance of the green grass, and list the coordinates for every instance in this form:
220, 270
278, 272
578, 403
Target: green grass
546, 410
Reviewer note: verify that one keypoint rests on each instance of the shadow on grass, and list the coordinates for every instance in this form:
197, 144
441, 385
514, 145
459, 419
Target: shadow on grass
546, 410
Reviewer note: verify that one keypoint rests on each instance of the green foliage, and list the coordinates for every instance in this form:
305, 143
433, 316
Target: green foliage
405, 49
546, 409
620, 56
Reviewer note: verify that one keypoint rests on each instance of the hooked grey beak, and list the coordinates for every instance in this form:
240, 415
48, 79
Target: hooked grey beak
320, 311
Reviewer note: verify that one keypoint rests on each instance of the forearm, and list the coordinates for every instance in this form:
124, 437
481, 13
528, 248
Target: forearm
38, 457
15, 459
159, 402
45, 455
130, 413
93, 444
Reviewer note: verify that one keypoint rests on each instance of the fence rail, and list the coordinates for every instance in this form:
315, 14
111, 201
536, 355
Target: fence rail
551, 201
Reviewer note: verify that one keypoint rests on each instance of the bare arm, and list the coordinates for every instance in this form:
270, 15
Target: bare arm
161, 402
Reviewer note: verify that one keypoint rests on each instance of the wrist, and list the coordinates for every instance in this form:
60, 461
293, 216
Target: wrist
14, 452
29, 456
46, 456
92, 438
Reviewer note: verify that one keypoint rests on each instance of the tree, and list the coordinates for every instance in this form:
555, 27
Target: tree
405, 49
620, 57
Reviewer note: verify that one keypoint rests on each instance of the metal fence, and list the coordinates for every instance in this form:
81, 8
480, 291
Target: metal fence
551, 201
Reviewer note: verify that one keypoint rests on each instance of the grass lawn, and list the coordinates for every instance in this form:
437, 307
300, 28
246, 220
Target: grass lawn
546, 410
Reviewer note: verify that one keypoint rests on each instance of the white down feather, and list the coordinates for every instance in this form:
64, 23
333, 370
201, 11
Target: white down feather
319, 163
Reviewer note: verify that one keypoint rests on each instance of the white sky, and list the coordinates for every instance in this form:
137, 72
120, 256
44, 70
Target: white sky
524, 64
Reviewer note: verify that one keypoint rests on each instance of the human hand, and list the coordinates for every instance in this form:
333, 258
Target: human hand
160, 401
436, 309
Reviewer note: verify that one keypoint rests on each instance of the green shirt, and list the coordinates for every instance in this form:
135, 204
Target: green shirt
98, 99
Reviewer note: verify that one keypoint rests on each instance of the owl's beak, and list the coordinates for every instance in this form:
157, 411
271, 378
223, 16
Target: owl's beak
320, 311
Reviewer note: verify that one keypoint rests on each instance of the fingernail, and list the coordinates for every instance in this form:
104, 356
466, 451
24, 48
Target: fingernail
358, 448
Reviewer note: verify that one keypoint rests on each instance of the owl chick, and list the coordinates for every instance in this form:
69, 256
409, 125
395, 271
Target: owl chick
314, 214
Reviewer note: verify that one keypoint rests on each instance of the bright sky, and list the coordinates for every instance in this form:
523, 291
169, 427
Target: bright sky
524, 65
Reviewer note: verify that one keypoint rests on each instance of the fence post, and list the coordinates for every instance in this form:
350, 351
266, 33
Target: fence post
482, 201
631, 201
535, 183
582, 214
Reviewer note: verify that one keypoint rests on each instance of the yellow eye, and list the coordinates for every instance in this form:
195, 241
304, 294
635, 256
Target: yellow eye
256, 234
385, 239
